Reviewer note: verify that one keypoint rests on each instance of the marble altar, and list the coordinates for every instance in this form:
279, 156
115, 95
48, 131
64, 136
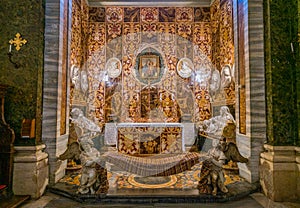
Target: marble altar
162, 137
150, 138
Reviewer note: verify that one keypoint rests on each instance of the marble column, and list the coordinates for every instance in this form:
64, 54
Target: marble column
54, 87
250, 109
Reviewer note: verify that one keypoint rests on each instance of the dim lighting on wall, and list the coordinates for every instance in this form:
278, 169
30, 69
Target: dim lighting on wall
18, 42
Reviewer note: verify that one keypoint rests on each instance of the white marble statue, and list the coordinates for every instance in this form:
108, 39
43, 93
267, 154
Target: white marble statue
214, 82
90, 129
215, 125
75, 76
226, 77
89, 158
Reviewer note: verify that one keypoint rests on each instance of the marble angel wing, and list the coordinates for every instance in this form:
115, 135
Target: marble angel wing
72, 152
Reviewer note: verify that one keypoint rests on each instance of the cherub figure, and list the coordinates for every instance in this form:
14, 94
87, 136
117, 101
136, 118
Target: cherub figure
212, 171
89, 159
212, 177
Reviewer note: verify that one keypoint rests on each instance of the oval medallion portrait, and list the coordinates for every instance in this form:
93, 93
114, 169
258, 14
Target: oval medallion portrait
113, 67
185, 67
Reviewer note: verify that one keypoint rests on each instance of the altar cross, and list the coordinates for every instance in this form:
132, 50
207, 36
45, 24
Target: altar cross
18, 41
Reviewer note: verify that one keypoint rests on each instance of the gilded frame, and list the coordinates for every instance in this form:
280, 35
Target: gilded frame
149, 66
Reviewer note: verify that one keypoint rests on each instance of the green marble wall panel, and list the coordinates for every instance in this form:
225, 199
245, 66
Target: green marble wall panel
297, 52
24, 95
281, 55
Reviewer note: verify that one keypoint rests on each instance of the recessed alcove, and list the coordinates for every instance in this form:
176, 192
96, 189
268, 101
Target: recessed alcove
207, 34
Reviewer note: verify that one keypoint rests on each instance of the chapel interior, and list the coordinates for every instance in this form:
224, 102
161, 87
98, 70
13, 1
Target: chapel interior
163, 100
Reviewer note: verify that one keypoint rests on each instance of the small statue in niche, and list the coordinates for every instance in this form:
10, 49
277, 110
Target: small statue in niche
226, 77
75, 75
214, 82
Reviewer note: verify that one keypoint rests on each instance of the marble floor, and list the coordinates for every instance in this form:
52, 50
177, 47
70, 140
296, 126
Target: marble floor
255, 200
241, 194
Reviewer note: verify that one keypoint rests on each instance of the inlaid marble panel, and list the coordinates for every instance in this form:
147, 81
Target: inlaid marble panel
166, 14
131, 14
96, 14
202, 14
150, 138
176, 32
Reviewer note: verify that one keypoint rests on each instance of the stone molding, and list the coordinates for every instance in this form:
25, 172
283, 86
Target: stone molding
31, 171
30, 153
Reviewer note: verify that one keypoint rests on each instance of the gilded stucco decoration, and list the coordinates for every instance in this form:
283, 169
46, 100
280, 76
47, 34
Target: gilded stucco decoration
184, 14
76, 36
149, 20
149, 15
226, 34
215, 33
167, 37
78, 50
96, 14
184, 18
114, 20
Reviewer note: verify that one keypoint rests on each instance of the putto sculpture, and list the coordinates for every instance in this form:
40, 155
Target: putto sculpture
212, 176
221, 129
